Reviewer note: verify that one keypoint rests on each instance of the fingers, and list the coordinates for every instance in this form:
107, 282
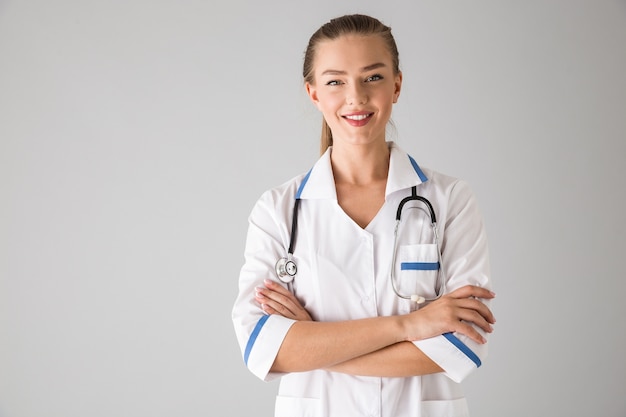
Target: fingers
277, 293
273, 307
479, 307
275, 299
472, 291
462, 311
479, 314
470, 332
472, 316
472, 311
276, 287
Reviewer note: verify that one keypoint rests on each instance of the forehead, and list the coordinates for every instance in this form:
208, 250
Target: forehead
351, 53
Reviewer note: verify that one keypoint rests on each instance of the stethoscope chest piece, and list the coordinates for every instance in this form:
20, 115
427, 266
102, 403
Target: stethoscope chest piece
286, 269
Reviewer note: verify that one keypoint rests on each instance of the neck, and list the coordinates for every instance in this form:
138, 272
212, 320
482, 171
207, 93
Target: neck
360, 164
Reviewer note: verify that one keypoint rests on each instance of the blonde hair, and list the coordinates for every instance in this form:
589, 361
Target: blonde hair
354, 24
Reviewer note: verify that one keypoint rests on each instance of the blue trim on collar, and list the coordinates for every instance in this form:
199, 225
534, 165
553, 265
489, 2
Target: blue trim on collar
253, 336
301, 187
417, 169
463, 348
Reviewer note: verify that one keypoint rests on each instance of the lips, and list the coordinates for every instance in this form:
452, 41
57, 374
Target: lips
358, 119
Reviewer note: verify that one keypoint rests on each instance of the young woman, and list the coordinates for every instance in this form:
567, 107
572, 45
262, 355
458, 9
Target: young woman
356, 317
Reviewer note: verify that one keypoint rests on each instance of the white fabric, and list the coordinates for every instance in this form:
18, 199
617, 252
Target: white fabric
344, 273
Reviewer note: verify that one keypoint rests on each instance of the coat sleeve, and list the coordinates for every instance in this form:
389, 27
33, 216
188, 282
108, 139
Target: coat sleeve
260, 335
465, 258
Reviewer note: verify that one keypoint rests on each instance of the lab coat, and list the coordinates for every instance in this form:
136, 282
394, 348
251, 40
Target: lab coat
344, 273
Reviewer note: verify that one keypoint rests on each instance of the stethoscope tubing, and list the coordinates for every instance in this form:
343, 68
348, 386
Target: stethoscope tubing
287, 275
440, 282
414, 196
294, 226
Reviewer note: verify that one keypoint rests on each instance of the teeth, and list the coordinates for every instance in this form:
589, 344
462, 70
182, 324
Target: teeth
358, 117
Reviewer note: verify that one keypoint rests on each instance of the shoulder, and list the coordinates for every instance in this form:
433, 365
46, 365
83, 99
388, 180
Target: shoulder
454, 193
445, 182
280, 197
287, 189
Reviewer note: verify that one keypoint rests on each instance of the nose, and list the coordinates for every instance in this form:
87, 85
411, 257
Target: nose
357, 95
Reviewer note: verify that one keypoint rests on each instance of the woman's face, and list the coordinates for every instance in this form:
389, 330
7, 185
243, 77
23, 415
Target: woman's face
355, 87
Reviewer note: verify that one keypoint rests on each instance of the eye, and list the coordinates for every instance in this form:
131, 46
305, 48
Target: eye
374, 77
334, 82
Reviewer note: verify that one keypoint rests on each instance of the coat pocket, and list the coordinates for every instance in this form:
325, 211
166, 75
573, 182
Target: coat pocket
297, 407
417, 268
445, 408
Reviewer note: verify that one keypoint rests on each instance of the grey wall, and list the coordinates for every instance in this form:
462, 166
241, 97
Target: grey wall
136, 135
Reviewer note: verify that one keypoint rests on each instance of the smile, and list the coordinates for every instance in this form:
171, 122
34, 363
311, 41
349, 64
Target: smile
358, 119
358, 116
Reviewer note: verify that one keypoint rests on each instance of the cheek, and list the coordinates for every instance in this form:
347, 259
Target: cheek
329, 103
387, 99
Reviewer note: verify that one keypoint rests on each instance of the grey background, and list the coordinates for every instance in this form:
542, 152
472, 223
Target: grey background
136, 135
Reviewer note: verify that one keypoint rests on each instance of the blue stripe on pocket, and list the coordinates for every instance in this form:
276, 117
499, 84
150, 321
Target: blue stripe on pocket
419, 266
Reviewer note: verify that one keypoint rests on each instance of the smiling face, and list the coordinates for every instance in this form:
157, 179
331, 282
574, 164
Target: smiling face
355, 86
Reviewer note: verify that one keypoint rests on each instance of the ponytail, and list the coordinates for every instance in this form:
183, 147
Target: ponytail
327, 137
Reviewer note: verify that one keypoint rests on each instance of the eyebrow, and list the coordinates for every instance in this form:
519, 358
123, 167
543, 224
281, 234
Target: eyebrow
364, 69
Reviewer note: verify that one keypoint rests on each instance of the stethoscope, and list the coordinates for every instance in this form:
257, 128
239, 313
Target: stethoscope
286, 268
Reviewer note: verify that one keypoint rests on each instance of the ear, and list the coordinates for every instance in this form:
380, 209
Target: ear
312, 93
398, 87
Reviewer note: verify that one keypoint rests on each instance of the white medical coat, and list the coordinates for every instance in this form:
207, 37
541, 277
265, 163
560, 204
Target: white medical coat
344, 273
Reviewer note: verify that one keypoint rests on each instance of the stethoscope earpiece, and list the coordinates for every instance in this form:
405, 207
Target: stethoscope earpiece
418, 299
286, 270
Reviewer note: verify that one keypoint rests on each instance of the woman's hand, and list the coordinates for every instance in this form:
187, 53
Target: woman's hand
275, 299
453, 312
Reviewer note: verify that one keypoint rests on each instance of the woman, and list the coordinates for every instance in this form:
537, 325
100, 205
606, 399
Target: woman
365, 328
